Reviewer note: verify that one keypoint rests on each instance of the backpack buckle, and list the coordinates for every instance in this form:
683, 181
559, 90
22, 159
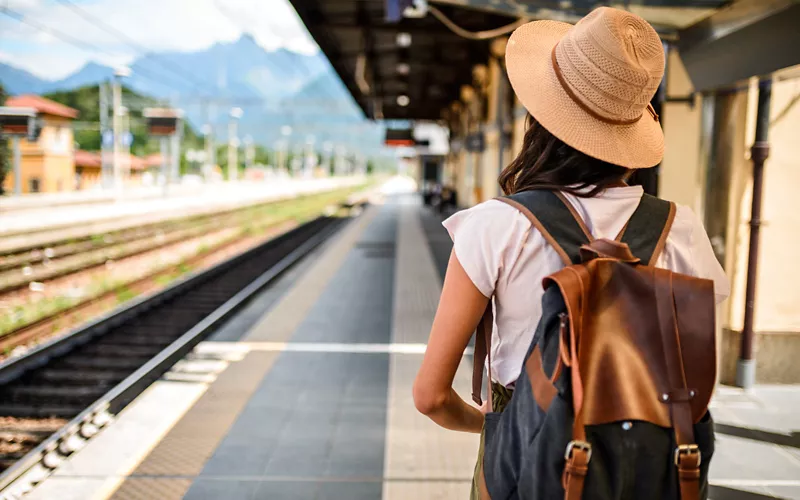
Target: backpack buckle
687, 450
580, 445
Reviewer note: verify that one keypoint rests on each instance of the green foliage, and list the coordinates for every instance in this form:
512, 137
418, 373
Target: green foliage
5, 160
87, 101
124, 294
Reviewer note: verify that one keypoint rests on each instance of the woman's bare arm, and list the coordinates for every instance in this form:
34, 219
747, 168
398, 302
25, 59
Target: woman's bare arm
460, 309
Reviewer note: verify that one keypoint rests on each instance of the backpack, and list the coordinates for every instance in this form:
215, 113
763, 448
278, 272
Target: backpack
612, 399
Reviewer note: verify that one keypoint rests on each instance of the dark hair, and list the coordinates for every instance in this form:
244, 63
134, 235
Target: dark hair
546, 162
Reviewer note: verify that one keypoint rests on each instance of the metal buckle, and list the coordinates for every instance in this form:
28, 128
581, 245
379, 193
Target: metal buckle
687, 449
581, 445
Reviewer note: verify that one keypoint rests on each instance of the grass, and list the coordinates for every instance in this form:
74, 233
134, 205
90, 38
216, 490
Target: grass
124, 294
249, 222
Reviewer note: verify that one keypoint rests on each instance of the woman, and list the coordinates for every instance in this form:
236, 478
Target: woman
587, 89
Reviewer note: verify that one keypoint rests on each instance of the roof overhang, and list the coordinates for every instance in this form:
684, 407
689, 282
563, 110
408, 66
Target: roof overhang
750, 38
721, 41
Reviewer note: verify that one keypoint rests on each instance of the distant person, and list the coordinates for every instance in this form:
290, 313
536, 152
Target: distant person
600, 379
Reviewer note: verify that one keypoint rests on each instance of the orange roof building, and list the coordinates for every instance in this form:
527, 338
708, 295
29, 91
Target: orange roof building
43, 105
47, 164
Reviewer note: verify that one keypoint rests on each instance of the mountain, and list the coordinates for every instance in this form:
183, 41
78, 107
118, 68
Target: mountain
274, 88
19, 81
89, 74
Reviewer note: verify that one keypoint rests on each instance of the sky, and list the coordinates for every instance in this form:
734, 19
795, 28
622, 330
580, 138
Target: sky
153, 25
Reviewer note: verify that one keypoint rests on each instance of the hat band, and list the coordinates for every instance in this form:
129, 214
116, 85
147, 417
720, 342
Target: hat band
586, 108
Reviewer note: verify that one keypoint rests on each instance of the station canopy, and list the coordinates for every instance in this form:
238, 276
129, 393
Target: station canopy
414, 67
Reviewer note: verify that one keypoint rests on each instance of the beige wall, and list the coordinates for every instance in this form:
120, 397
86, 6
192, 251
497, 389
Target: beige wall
681, 176
50, 159
778, 293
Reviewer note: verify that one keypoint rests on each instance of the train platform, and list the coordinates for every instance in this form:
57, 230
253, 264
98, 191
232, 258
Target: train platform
306, 393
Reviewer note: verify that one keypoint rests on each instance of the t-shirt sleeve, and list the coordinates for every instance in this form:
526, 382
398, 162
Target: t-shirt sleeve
487, 240
704, 261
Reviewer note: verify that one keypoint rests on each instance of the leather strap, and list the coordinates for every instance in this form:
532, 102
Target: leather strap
556, 219
571, 283
575, 472
541, 386
565, 257
678, 395
563, 230
483, 352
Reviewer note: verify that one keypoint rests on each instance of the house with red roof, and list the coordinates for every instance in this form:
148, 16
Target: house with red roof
89, 168
48, 163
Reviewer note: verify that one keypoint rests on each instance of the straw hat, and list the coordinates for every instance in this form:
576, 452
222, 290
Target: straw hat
590, 84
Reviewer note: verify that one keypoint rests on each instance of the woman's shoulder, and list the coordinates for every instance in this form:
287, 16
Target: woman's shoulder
488, 211
685, 225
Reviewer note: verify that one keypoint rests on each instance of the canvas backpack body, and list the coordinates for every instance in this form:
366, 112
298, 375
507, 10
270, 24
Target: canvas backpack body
612, 399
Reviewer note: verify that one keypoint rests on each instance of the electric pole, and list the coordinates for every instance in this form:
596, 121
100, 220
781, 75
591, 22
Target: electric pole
119, 74
233, 144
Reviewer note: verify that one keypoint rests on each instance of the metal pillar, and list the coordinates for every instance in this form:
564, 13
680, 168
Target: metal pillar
17, 166
165, 162
117, 126
175, 173
105, 174
233, 150
746, 366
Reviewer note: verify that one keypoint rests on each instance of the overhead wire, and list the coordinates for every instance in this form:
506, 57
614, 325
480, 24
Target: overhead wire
475, 35
75, 42
171, 67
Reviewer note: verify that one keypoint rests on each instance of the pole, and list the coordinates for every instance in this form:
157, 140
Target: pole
746, 366
207, 147
17, 166
126, 153
105, 178
176, 153
165, 163
117, 126
233, 150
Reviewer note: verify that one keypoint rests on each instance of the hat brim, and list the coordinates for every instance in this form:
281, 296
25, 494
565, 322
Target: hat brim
531, 73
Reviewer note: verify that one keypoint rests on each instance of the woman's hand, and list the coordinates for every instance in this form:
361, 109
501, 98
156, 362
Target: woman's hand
486, 407
460, 308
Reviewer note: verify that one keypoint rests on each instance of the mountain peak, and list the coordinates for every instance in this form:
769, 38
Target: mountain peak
247, 38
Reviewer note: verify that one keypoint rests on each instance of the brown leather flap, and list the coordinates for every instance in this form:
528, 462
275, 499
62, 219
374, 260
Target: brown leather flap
622, 368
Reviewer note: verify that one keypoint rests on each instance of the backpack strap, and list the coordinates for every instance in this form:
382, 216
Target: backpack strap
556, 219
647, 229
563, 229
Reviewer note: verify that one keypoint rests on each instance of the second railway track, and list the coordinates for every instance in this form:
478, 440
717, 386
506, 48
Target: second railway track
67, 388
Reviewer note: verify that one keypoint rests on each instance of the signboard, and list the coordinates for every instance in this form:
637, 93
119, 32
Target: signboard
19, 122
399, 137
162, 121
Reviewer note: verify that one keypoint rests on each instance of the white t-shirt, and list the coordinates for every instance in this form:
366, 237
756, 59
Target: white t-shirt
505, 258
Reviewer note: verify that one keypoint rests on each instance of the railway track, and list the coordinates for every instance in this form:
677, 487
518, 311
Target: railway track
64, 391
20, 267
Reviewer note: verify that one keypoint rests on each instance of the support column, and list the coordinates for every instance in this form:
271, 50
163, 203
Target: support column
746, 366
165, 163
17, 166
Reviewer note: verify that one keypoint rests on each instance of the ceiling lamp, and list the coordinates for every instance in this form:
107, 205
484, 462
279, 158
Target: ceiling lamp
403, 69
403, 100
403, 39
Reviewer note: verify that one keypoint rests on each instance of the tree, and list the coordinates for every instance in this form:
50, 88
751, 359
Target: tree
4, 160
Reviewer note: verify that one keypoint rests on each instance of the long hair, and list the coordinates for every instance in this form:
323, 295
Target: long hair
547, 163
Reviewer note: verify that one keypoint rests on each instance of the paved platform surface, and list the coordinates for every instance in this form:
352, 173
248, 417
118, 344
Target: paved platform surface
307, 395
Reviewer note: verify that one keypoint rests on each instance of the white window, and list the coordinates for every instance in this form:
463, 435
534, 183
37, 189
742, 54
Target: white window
59, 141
